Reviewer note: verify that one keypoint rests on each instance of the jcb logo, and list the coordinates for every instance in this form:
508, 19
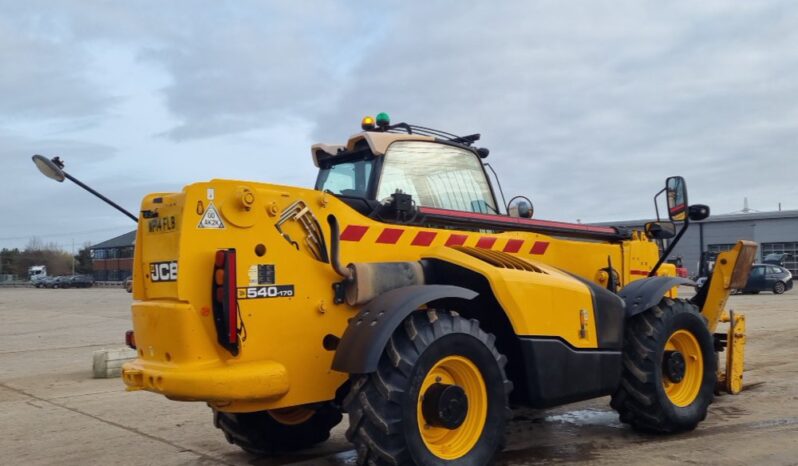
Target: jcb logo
163, 271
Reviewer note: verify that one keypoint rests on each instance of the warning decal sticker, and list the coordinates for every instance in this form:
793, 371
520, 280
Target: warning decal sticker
211, 219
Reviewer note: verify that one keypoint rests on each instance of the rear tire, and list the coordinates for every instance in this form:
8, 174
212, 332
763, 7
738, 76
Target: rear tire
779, 288
389, 410
662, 343
265, 433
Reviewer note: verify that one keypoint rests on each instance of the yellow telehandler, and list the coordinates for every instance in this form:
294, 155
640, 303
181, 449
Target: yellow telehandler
401, 293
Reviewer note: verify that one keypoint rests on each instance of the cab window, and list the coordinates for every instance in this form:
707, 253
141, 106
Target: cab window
348, 178
436, 175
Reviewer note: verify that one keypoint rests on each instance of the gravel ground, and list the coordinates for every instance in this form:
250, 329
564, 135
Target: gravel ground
53, 412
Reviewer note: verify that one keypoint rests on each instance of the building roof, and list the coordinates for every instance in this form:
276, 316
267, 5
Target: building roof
120, 241
734, 217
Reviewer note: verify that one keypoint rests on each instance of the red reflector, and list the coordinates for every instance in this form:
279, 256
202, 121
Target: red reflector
130, 339
232, 298
219, 262
218, 276
220, 295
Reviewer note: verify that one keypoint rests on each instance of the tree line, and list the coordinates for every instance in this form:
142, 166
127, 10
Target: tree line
58, 262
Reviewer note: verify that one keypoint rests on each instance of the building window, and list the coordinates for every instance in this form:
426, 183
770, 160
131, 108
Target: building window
719, 247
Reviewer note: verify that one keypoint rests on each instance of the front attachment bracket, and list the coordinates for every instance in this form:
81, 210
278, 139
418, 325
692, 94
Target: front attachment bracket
731, 380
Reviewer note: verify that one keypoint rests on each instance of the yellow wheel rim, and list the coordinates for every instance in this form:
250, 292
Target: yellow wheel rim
685, 391
450, 444
292, 416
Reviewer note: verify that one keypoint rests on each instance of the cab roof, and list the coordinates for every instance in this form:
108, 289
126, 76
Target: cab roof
378, 143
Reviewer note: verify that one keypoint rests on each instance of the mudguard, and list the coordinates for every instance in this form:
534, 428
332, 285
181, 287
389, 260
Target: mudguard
643, 294
368, 332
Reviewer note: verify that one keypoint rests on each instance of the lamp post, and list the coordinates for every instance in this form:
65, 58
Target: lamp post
54, 169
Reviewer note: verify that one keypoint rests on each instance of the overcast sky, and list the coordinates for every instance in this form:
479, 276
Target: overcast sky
585, 106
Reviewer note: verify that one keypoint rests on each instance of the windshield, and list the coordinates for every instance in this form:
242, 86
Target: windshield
346, 178
436, 175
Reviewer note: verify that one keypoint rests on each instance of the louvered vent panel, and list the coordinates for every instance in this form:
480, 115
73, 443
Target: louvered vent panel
498, 259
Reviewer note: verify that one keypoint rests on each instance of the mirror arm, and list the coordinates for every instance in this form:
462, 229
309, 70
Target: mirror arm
656, 207
668, 251
108, 201
501, 191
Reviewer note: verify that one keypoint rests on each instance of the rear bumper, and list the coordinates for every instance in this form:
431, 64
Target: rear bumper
179, 358
242, 382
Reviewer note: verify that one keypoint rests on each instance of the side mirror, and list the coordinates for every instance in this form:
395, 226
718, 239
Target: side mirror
521, 207
676, 190
698, 212
660, 230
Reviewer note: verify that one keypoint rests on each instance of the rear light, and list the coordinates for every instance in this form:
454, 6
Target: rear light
225, 300
130, 339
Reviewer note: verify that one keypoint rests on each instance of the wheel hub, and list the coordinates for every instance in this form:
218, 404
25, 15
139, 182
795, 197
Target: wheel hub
673, 366
444, 406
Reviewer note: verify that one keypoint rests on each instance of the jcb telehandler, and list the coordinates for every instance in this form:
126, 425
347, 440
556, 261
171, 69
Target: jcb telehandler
401, 293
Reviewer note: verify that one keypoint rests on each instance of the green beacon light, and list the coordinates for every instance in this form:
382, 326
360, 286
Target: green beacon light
383, 120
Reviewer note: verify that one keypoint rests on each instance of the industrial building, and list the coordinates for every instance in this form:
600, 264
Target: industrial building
775, 232
112, 260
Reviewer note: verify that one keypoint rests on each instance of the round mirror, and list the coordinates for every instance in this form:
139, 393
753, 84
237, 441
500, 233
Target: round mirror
520, 206
48, 168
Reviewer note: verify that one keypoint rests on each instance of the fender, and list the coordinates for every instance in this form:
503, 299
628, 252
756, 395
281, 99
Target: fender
368, 332
643, 294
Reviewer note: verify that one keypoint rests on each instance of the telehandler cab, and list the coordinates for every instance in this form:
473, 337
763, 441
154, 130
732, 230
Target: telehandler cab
400, 292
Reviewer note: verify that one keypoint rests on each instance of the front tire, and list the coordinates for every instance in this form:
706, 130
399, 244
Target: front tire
265, 433
669, 371
439, 396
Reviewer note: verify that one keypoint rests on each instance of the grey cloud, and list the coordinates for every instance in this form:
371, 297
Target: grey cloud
586, 106
589, 106
44, 73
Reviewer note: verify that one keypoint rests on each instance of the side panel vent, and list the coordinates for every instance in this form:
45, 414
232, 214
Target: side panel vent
498, 259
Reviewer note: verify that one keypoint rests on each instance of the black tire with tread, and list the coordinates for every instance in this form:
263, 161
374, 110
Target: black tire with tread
260, 434
779, 288
382, 406
641, 399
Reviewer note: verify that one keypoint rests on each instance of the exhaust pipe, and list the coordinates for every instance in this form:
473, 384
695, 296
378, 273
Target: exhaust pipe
364, 281
335, 249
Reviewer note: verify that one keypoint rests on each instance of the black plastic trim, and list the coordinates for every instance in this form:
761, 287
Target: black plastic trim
643, 294
558, 374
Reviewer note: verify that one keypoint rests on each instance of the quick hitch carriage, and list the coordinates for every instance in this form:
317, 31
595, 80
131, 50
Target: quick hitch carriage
401, 293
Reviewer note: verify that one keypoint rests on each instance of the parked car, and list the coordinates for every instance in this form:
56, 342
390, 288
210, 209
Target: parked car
46, 282
81, 281
777, 258
62, 281
128, 284
763, 277
767, 277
